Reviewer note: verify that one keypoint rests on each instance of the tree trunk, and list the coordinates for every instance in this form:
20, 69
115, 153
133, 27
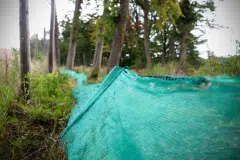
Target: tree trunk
24, 48
137, 24
172, 51
183, 50
57, 50
98, 51
73, 37
45, 44
51, 52
118, 40
164, 41
97, 60
36, 46
84, 59
146, 33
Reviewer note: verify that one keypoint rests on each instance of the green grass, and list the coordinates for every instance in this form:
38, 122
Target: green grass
31, 129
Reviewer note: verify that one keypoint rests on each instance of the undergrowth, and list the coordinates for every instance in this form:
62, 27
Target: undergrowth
31, 129
211, 67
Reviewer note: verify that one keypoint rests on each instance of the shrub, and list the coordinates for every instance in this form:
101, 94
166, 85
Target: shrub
211, 67
232, 66
218, 66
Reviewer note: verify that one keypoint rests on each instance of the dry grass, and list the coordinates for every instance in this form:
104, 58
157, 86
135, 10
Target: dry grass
39, 67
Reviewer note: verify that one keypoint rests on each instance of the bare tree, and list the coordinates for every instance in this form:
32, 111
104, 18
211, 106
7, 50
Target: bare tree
51, 52
118, 40
24, 47
73, 37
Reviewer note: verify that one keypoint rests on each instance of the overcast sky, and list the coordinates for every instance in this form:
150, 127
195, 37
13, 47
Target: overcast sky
221, 41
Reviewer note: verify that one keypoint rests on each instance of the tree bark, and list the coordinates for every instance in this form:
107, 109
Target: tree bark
97, 60
51, 52
45, 43
183, 50
36, 46
24, 48
57, 50
73, 37
172, 51
98, 51
146, 32
164, 42
84, 59
118, 40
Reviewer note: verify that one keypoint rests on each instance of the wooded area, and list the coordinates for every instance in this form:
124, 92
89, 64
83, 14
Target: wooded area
137, 33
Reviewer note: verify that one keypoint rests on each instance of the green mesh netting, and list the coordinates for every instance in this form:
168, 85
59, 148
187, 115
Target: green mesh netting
133, 117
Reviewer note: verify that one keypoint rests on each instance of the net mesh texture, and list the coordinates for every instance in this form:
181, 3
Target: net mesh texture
129, 117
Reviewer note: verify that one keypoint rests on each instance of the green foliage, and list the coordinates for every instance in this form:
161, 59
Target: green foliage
6, 96
139, 62
31, 128
215, 66
52, 96
189, 18
39, 57
232, 66
85, 46
211, 67
167, 21
167, 10
192, 53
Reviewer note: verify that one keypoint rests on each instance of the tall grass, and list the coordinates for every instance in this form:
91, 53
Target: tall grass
31, 129
159, 69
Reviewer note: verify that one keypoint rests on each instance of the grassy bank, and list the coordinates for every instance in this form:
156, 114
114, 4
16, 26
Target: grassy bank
31, 129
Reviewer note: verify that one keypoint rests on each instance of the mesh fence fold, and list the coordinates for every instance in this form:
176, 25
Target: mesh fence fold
129, 116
